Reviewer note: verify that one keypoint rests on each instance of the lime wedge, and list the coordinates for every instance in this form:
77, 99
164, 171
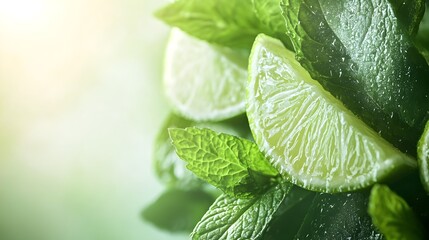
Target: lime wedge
423, 157
309, 135
204, 81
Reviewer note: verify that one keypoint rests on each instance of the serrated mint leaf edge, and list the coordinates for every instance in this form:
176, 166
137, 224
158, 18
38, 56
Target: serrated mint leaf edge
278, 192
252, 172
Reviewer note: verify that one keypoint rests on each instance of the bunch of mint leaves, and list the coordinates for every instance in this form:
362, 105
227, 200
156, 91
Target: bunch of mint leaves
197, 159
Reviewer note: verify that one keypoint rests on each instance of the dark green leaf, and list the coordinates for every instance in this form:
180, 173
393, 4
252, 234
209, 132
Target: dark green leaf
234, 165
392, 215
178, 210
338, 216
409, 13
422, 39
309, 215
410, 188
289, 216
232, 218
363, 54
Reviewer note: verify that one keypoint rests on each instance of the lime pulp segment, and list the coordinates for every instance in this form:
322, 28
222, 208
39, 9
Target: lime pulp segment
203, 81
306, 133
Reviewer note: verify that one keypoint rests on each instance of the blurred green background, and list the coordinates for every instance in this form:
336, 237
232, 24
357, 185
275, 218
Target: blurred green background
80, 105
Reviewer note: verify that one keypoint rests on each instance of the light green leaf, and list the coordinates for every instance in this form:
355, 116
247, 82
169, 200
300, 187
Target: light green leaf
362, 52
225, 22
269, 14
231, 218
178, 210
234, 165
170, 169
392, 215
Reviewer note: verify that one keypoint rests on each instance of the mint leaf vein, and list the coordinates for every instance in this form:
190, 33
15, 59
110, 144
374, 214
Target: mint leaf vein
234, 165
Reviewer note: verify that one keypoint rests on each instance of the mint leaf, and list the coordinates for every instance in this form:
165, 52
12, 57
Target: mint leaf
410, 189
409, 13
363, 54
224, 22
169, 168
234, 165
232, 218
323, 216
294, 197
338, 216
178, 210
392, 215
269, 14
290, 214
422, 38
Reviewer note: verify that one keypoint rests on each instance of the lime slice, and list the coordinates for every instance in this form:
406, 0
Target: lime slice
309, 135
423, 157
203, 81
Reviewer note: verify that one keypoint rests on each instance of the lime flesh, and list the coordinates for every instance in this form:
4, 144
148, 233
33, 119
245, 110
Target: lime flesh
309, 135
202, 81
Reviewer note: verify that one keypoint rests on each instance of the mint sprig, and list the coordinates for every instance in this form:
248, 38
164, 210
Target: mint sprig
342, 57
234, 165
233, 218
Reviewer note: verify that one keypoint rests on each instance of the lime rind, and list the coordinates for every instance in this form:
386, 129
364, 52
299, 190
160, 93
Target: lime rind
306, 133
204, 82
423, 157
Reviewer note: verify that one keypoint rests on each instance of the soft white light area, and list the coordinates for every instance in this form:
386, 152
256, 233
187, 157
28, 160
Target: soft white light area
80, 105
23, 11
